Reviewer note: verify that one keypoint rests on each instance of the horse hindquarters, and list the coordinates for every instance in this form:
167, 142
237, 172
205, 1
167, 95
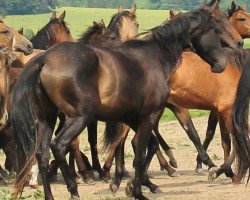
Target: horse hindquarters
33, 120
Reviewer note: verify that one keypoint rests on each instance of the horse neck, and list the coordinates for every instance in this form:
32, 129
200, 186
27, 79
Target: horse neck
43, 40
173, 44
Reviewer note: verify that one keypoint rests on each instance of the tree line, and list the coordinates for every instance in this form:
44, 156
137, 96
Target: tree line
11, 7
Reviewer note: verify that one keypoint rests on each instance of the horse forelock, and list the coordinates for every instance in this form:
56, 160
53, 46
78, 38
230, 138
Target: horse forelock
86, 36
116, 21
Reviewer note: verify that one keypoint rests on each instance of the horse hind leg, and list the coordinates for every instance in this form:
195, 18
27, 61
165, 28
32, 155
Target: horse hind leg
71, 129
212, 123
92, 139
225, 124
186, 122
43, 155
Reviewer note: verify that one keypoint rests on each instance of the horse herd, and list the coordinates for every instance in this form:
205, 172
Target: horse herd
126, 79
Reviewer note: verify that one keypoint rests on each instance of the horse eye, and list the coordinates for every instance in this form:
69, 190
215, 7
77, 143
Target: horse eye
5, 31
218, 20
242, 19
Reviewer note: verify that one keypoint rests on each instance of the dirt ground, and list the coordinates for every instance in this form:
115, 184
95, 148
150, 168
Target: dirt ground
188, 185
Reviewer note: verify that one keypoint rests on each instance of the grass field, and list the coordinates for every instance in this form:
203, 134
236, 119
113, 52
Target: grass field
79, 19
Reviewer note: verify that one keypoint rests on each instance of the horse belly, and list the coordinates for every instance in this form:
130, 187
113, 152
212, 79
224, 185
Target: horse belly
193, 85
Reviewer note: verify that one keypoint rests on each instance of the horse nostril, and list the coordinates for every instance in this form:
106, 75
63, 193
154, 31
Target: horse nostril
240, 44
30, 46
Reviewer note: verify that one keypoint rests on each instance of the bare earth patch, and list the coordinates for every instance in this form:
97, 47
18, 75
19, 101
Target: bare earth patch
188, 186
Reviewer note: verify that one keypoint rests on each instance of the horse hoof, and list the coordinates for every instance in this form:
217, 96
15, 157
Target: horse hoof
158, 191
89, 181
113, 188
126, 174
35, 186
175, 174
74, 198
128, 189
201, 171
212, 175
4, 174
173, 163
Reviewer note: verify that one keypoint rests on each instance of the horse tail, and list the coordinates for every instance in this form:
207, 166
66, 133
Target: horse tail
112, 134
240, 130
27, 95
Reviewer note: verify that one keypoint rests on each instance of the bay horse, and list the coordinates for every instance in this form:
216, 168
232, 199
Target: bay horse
20, 43
125, 26
222, 23
6, 58
111, 84
54, 32
241, 21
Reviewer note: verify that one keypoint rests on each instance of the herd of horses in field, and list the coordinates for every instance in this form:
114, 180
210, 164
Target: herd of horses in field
194, 60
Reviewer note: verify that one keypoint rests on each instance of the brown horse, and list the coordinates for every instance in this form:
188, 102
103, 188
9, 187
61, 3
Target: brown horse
52, 33
55, 31
128, 83
241, 21
124, 25
6, 58
20, 43
222, 24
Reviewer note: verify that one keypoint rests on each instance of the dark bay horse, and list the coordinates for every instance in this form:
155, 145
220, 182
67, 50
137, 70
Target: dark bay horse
222, 23
125, 26
128, 83
20, 43
54, 32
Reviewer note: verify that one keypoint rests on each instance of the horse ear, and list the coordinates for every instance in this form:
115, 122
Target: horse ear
53, 15
213, 6
243, 8
95, 24
133, 9
61, 18
21, 31
233, 6
1, 17
102, 23
172, 13
120, 8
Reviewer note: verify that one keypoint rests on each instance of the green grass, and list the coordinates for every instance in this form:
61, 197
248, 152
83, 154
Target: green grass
79, 19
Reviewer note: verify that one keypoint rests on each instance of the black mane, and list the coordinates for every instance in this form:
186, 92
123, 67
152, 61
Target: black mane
44, 36
115, 21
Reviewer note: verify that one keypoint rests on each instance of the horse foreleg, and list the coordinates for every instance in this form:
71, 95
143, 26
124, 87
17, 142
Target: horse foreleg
75, 149
120, 169
211, 127
187, 124
167, 149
